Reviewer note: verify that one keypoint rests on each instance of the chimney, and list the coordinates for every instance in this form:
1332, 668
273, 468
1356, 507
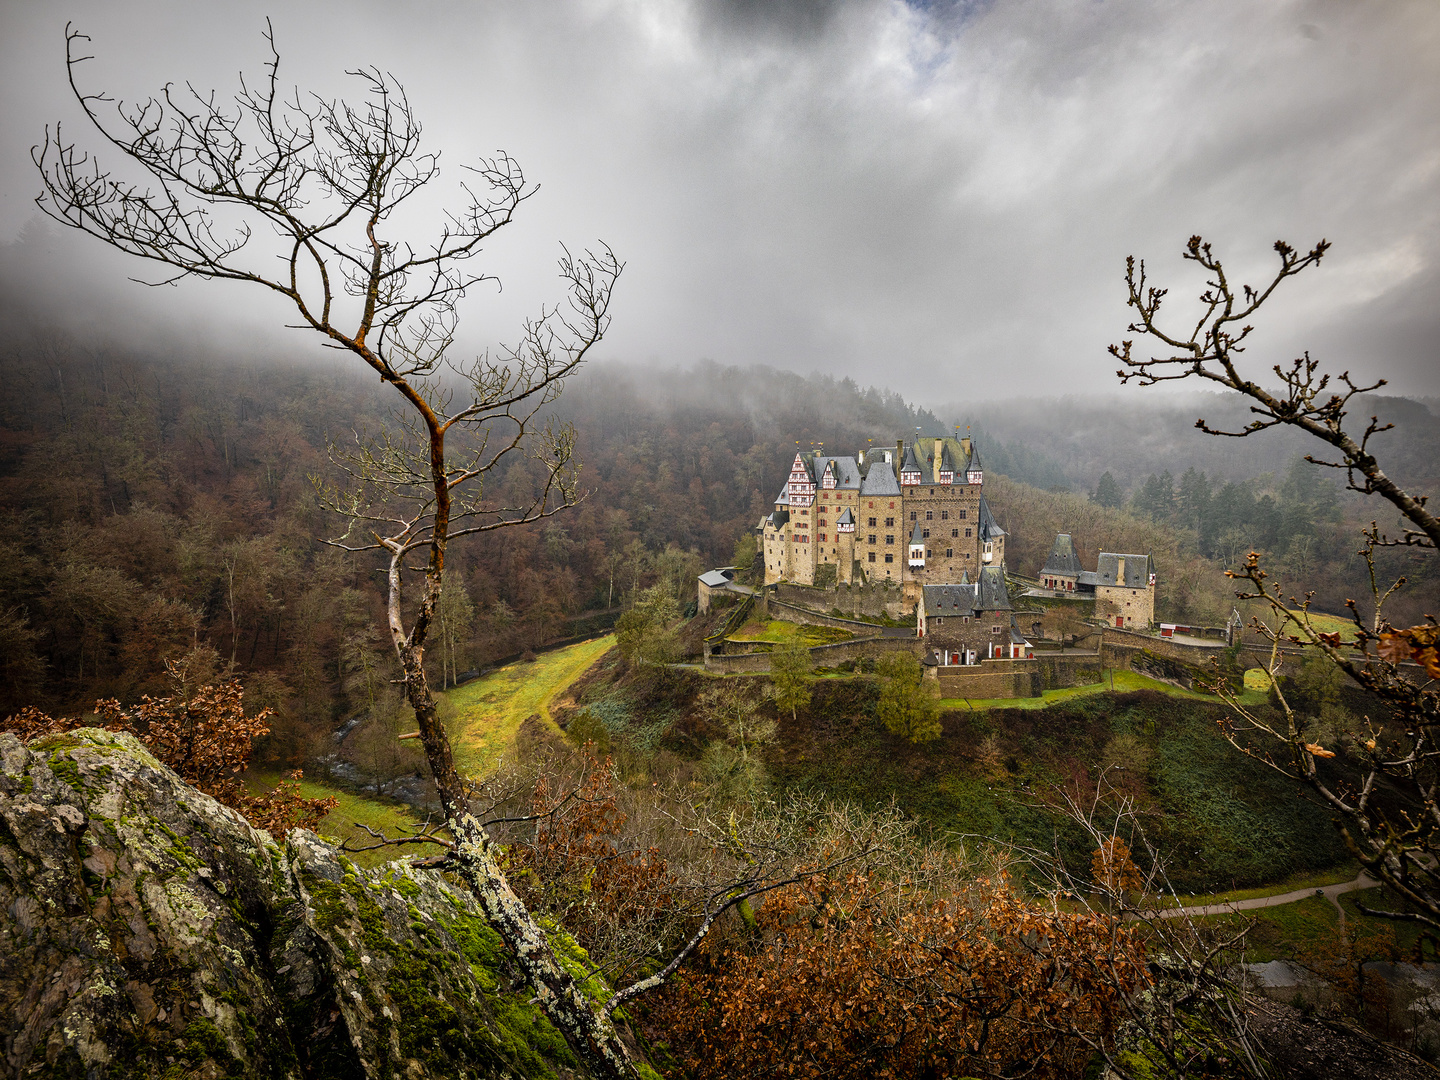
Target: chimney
899, 456
1120, 571
965, 446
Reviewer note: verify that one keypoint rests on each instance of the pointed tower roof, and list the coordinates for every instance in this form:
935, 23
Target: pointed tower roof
1063, 558
917, 537
974, 457
947, 459
993, 596
989, 528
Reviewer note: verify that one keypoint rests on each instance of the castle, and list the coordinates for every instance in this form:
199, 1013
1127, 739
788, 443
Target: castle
915, 516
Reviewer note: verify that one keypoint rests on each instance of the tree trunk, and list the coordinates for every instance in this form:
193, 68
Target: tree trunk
592, 1038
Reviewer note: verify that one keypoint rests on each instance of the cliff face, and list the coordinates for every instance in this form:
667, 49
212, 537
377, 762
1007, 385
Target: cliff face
148, 931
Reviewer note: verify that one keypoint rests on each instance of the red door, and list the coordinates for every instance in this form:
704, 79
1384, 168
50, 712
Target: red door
1120, 621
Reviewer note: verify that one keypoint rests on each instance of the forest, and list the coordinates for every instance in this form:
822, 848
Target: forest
153, 505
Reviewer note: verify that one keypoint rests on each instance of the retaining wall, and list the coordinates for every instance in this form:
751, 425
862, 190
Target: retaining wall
820, 655
986, 682
858, 599
1061, 670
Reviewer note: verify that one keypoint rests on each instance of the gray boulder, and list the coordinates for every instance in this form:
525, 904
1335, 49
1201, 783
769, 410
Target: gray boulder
148, 931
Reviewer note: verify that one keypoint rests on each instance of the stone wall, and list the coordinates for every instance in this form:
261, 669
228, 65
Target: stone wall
1060, 670
874, 600
841, 652
982, 680
790, 612
1123, 644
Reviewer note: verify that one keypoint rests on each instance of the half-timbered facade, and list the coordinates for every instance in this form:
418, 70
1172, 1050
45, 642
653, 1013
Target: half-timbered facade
917, 516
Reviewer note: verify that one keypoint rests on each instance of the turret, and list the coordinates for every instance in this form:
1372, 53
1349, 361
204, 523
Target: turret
974, 473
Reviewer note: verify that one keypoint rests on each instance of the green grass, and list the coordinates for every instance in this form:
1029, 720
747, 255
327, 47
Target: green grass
1281, 933
1330, 624
483, 716
1125, 681
352, 810
779, 632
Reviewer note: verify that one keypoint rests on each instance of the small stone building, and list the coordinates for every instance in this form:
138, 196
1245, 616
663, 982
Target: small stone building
711, 582
1122, 585
968, 622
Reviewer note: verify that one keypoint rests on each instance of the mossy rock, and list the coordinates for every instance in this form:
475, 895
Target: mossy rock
148, 931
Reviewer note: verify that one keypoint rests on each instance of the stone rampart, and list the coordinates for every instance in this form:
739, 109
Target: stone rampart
841, 652
783, 609
875, 600
1125, 643
982, 680
1061, 670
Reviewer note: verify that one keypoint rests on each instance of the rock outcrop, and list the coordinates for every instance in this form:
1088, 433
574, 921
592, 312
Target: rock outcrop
148, 931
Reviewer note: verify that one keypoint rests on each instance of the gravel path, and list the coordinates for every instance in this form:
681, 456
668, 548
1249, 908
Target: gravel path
1330, 892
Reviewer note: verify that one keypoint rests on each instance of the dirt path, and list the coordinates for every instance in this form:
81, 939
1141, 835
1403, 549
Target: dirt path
1330, 892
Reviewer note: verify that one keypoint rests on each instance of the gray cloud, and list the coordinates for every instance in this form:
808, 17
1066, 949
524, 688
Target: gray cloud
936, 198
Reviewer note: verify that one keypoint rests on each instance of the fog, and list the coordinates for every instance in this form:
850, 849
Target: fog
935, 198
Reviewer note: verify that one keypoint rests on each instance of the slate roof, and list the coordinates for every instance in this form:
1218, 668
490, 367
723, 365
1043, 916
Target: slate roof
1017, 638
917, 537
947, 460
847, 471
989, 527
949, 600
993, 596
1063, 558
784, 496
988, 594
779, 518
1087, 577
1137, 570
910, 463
880, 479
974, 458
715, 579
845, 518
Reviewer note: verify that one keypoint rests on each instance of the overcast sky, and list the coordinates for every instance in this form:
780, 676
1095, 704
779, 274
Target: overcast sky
932, 197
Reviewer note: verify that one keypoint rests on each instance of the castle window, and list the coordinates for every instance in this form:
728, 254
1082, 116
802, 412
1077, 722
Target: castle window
872, 539
944, 515
994, 629
871, 522
912, 515
889, 557
890, 523
954, 532
929, 554
962, 515
949, 553
889, 539
929, 515
967, 532
872, 556
822, 535
925, 534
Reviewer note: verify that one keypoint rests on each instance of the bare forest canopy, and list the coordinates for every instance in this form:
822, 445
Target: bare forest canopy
150, 504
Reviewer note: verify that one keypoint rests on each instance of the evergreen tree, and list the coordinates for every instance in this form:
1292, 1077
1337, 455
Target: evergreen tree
1107, 493
1192, 500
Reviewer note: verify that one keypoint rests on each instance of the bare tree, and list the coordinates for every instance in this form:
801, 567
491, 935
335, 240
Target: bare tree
1388, 805
298, 196
1192, 1011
